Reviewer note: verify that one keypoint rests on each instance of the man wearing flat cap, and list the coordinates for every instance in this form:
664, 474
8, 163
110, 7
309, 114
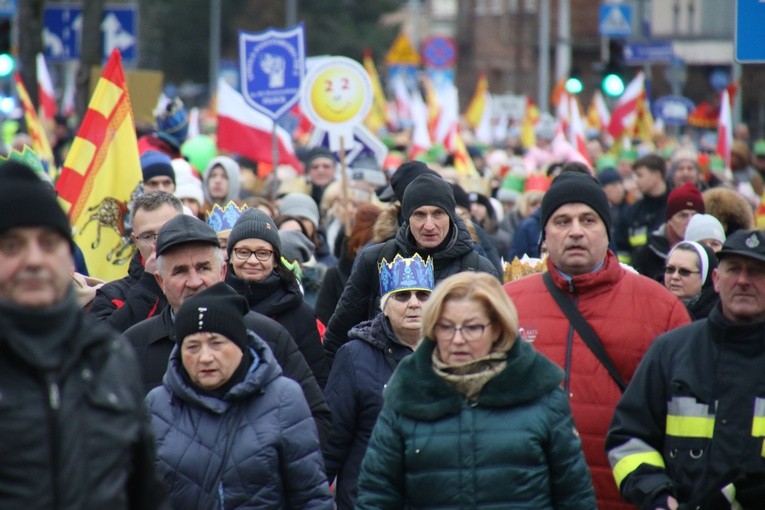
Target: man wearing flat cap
189, 260
431, 228
74, 432
625, 311
690, 428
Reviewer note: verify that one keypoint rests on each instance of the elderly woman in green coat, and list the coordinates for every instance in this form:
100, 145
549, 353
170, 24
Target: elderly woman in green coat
475, 417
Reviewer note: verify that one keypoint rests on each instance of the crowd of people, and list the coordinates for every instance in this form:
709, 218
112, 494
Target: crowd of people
301, 339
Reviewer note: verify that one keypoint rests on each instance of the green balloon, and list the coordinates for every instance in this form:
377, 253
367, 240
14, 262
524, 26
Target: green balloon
199, 151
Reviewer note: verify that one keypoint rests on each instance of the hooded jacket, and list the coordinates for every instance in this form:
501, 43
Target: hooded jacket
154, 339
354, 394
231, 168
689, 423
125, 302
514, 446
255, 448
627, 311
361, 296
283, 302
74, 431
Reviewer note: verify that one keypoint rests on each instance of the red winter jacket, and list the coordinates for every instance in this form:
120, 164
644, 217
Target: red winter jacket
627, 311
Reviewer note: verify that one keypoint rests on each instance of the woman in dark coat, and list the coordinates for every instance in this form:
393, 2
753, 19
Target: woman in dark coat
363, 366
475, 418
257, 271
231, 431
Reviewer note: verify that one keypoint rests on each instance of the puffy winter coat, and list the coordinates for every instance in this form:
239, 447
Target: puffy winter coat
690, 420
361, 370
154, 339
76, 436
255, 448
361, 296
514, 446
637, 222
627, 312
129, 300
283, 302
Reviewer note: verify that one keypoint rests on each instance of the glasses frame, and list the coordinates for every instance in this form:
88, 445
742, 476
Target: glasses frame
450, 332
398, 295
147, 237
250, 253
684, 273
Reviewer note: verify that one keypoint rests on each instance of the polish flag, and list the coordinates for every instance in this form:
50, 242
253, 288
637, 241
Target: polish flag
403, 102
625, 112
724, 129
449, 116
576, 129
420, 135
562, 113
243, 130
45, 90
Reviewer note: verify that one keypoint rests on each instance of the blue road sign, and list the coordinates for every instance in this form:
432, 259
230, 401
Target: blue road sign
62, 29
615, 20
673, 110
8, 8
648, 51
272, 67
439, 52
749, 16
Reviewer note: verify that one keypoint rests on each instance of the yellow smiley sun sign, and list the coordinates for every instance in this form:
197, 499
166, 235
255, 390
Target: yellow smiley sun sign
337, 96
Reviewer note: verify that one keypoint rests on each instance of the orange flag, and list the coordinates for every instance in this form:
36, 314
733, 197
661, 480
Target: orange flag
40, 143
101, 174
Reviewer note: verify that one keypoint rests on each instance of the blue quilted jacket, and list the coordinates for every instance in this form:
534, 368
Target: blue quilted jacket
256, 448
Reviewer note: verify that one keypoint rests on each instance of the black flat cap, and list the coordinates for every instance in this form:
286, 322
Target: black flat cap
184, 229
744, 243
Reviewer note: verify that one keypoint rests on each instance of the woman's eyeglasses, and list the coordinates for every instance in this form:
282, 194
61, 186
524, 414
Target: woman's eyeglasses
405, 295
684, 273
469, 332
244, 254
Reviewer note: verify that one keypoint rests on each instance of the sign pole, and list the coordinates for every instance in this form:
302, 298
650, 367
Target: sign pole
274, 148
344, 186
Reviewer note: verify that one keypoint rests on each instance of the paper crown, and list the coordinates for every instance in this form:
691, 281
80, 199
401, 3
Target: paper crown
28, 157
223, 219
405, 274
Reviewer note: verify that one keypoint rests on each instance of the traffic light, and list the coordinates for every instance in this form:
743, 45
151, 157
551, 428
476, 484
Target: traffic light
7, 62
612, 81
574, 83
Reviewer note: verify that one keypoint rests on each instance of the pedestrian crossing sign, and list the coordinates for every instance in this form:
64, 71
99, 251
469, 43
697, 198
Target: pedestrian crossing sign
402, 52
615, 20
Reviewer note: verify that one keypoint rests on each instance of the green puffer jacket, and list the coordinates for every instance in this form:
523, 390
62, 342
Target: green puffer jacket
513, 447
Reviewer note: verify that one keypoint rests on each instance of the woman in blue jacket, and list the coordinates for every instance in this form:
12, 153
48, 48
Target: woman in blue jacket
475, 418
363, 366
232, 432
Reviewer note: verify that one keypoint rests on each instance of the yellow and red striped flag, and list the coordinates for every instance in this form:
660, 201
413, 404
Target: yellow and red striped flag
101, 174
478, 112
378, 114
40, 143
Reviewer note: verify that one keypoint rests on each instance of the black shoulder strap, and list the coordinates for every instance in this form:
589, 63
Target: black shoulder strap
581, 326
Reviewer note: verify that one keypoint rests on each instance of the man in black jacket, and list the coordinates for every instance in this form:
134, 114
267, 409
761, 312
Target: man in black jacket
689, 428
431, 228
189, 260
74, 432
129, 300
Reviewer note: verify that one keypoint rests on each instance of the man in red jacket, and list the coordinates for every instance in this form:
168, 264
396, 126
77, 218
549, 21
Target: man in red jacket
625, 310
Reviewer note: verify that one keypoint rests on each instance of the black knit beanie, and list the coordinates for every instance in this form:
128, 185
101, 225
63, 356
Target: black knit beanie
217, 309
155, 163
254, 224
574, 187
428, 189
27, 201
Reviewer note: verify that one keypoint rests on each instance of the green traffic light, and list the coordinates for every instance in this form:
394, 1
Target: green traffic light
613, 85
574, 85
7, 63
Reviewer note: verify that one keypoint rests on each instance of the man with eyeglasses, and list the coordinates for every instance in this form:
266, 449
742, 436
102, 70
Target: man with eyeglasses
690, 428
129, 300
189, 260
625, 311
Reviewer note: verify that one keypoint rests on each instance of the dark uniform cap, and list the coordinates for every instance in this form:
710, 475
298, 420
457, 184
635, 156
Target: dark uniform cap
184, 229
745, 243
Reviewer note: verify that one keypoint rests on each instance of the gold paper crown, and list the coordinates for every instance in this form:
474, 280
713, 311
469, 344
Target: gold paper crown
517, 269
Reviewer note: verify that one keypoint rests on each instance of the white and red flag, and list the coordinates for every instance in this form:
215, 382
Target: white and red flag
625, 112
45, 90
724, 129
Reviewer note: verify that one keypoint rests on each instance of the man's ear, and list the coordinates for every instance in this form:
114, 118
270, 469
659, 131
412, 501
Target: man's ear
715, 278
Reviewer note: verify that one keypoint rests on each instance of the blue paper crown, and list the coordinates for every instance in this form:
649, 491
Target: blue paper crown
405, 274
223, 219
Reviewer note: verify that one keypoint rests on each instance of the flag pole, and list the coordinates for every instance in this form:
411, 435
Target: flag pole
274, 147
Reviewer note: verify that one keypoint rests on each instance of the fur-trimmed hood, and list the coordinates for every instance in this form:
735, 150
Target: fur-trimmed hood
733, 211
